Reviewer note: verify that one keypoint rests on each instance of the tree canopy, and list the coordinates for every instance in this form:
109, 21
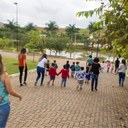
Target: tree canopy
114, 18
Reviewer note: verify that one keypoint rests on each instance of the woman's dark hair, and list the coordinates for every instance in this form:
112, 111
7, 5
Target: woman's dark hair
23, 51
96, 59
43, 56
1, 65
124, 62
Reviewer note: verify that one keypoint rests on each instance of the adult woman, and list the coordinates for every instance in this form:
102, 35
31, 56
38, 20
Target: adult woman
5, 90
41, 68
94, 68
22, 66
122, 70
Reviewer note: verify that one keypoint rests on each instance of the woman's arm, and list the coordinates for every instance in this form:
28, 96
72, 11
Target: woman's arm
9, 88
90, 67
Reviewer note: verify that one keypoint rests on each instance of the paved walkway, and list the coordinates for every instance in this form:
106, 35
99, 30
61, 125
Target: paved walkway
55, 107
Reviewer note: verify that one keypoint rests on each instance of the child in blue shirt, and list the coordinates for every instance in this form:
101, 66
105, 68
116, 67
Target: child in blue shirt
72, 69
77, 69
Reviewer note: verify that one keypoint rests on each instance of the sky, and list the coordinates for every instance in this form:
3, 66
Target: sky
40, 12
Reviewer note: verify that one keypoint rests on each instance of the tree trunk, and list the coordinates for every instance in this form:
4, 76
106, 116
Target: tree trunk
50, 52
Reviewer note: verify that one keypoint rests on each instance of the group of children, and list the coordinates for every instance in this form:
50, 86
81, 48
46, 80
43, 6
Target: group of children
110, 66
76, 72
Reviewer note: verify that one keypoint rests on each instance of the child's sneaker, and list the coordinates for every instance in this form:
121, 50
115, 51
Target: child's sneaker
21, 84
77, 87
25, 83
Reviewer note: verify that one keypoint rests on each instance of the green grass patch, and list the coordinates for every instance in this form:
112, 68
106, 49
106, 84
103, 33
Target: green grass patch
11, 65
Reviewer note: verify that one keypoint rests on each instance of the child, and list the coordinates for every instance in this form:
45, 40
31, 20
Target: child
87, 77
77, 68
65, 75
72, 69
67, 65
102, 66
80, 77
55, 64
52, 73
47, 67
108, 66
112, 67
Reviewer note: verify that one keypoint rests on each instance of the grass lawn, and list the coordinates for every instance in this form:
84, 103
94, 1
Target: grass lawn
11, 65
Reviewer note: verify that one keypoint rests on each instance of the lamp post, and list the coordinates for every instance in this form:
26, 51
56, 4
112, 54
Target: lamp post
17, 24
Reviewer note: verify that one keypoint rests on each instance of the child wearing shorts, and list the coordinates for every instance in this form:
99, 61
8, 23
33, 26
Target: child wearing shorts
52, 74
80, 78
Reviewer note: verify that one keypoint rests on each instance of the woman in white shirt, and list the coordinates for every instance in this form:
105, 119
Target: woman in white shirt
41, 68
122, 70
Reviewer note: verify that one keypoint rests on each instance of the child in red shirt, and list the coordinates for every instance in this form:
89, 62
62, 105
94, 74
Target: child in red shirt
65, 75
52, 74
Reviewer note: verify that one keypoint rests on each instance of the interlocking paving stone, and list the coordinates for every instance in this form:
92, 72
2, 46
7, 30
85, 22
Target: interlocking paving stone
56, 107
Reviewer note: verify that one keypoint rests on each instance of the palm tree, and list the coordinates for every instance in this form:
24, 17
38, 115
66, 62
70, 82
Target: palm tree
11, 25
51, 28
71, 30
92, 30
30, 26
91, 27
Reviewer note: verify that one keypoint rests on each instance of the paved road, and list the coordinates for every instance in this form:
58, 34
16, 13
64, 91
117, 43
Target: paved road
55, 107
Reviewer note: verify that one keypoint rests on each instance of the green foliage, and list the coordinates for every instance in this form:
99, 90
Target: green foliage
51, 28
11, 25
13, 37
57, 44
119, 49
30, 26
37, 41
113, 16
70, 48
6, 43
71, 31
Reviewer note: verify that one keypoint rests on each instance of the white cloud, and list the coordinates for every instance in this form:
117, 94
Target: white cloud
40, 12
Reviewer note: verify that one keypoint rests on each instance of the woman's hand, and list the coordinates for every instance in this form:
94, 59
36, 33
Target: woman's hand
20, 98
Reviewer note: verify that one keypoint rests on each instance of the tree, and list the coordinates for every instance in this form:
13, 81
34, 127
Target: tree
92, 31
5, 42
30, 26
70, 48
11, 25
58, 44
71, 31
50, 43
51, 28
37, 42
114, 18
91, 27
